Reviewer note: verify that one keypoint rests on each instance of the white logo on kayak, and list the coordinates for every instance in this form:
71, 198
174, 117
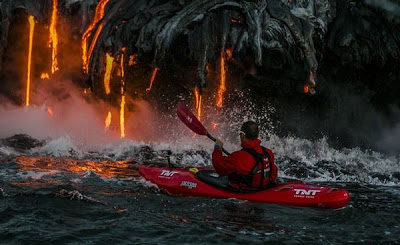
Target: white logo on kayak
189, 119
189, 184
305, 193
168, 173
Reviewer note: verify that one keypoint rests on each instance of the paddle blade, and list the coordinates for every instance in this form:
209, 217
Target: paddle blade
190, 120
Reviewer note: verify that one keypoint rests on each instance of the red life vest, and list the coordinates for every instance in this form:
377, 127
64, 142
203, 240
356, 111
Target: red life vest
262, 169
242, 163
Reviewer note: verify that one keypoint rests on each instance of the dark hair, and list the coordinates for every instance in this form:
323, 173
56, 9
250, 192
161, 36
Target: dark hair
250, 129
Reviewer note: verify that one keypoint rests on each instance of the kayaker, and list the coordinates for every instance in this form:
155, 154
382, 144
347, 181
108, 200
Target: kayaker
251, 167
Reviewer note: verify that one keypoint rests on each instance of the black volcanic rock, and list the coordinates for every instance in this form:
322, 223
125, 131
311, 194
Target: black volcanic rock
21, 142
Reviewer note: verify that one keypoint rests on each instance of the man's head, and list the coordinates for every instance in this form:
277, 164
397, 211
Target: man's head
249, 131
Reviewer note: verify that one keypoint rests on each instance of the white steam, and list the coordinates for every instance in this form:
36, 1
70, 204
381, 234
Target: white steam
61, 109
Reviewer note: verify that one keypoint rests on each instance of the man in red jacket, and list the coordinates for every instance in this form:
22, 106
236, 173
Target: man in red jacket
251, 167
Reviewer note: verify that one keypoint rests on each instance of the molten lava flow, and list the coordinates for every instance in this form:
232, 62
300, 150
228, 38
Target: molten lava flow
92, 45
122, 109
122, 117
309, 86
50, 111
153, 76
107, 75
132, 60
99, 14
44, 76
198, 102
222, 87
214, 126
28, 79
306, 88
199, 108
122, 65
208, 68
229, 53
53, 40
107, 123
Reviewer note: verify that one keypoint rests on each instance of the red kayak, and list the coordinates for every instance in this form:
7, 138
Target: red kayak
207, 183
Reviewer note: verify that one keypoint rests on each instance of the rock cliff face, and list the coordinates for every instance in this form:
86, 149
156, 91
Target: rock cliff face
346, 51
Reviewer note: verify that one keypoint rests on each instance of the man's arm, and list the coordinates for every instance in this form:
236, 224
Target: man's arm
273, 167
223, 165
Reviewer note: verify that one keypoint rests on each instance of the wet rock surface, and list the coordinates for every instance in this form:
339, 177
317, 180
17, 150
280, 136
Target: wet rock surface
21, 142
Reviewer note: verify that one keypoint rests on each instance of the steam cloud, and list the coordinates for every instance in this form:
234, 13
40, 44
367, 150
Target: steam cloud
60, 108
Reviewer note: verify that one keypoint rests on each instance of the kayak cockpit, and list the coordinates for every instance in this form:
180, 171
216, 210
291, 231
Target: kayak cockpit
212, 178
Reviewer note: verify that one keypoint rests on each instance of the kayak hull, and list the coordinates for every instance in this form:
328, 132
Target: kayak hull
183, 182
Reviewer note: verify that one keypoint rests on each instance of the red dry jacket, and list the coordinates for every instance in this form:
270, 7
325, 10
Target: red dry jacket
242, 163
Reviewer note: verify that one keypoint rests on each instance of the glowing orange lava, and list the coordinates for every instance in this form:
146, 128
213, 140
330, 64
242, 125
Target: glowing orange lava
53, 40
310, 84
107, 75
122, 109
153, 76
122, 65
229, 53
122, 117
28, 79
306, 88
132, 60
92, 45
222, 87
99, 14
198, 98
107, 123
50, 111
208, 68
44, 76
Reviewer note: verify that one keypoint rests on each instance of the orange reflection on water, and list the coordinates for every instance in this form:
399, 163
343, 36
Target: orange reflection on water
54, 166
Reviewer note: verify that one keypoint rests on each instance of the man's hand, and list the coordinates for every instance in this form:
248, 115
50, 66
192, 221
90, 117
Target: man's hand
219, 143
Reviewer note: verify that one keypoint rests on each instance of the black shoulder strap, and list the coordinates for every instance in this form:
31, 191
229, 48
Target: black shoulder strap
265, 152
257, 156
259, 160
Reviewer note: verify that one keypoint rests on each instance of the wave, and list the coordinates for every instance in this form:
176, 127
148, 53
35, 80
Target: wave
296, 158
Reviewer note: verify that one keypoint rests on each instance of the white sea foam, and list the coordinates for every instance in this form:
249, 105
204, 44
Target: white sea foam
36, 175
145, 183
7, 151
353, 165
61, 147
365, 163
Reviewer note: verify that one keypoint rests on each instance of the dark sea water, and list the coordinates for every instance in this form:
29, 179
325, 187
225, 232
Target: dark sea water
56, 194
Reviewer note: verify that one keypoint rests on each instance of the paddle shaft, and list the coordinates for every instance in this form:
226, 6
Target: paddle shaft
214, 139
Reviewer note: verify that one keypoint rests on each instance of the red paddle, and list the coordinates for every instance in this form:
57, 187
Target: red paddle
193, 123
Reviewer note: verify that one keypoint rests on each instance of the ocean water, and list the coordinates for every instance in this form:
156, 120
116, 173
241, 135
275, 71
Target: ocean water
57, 191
